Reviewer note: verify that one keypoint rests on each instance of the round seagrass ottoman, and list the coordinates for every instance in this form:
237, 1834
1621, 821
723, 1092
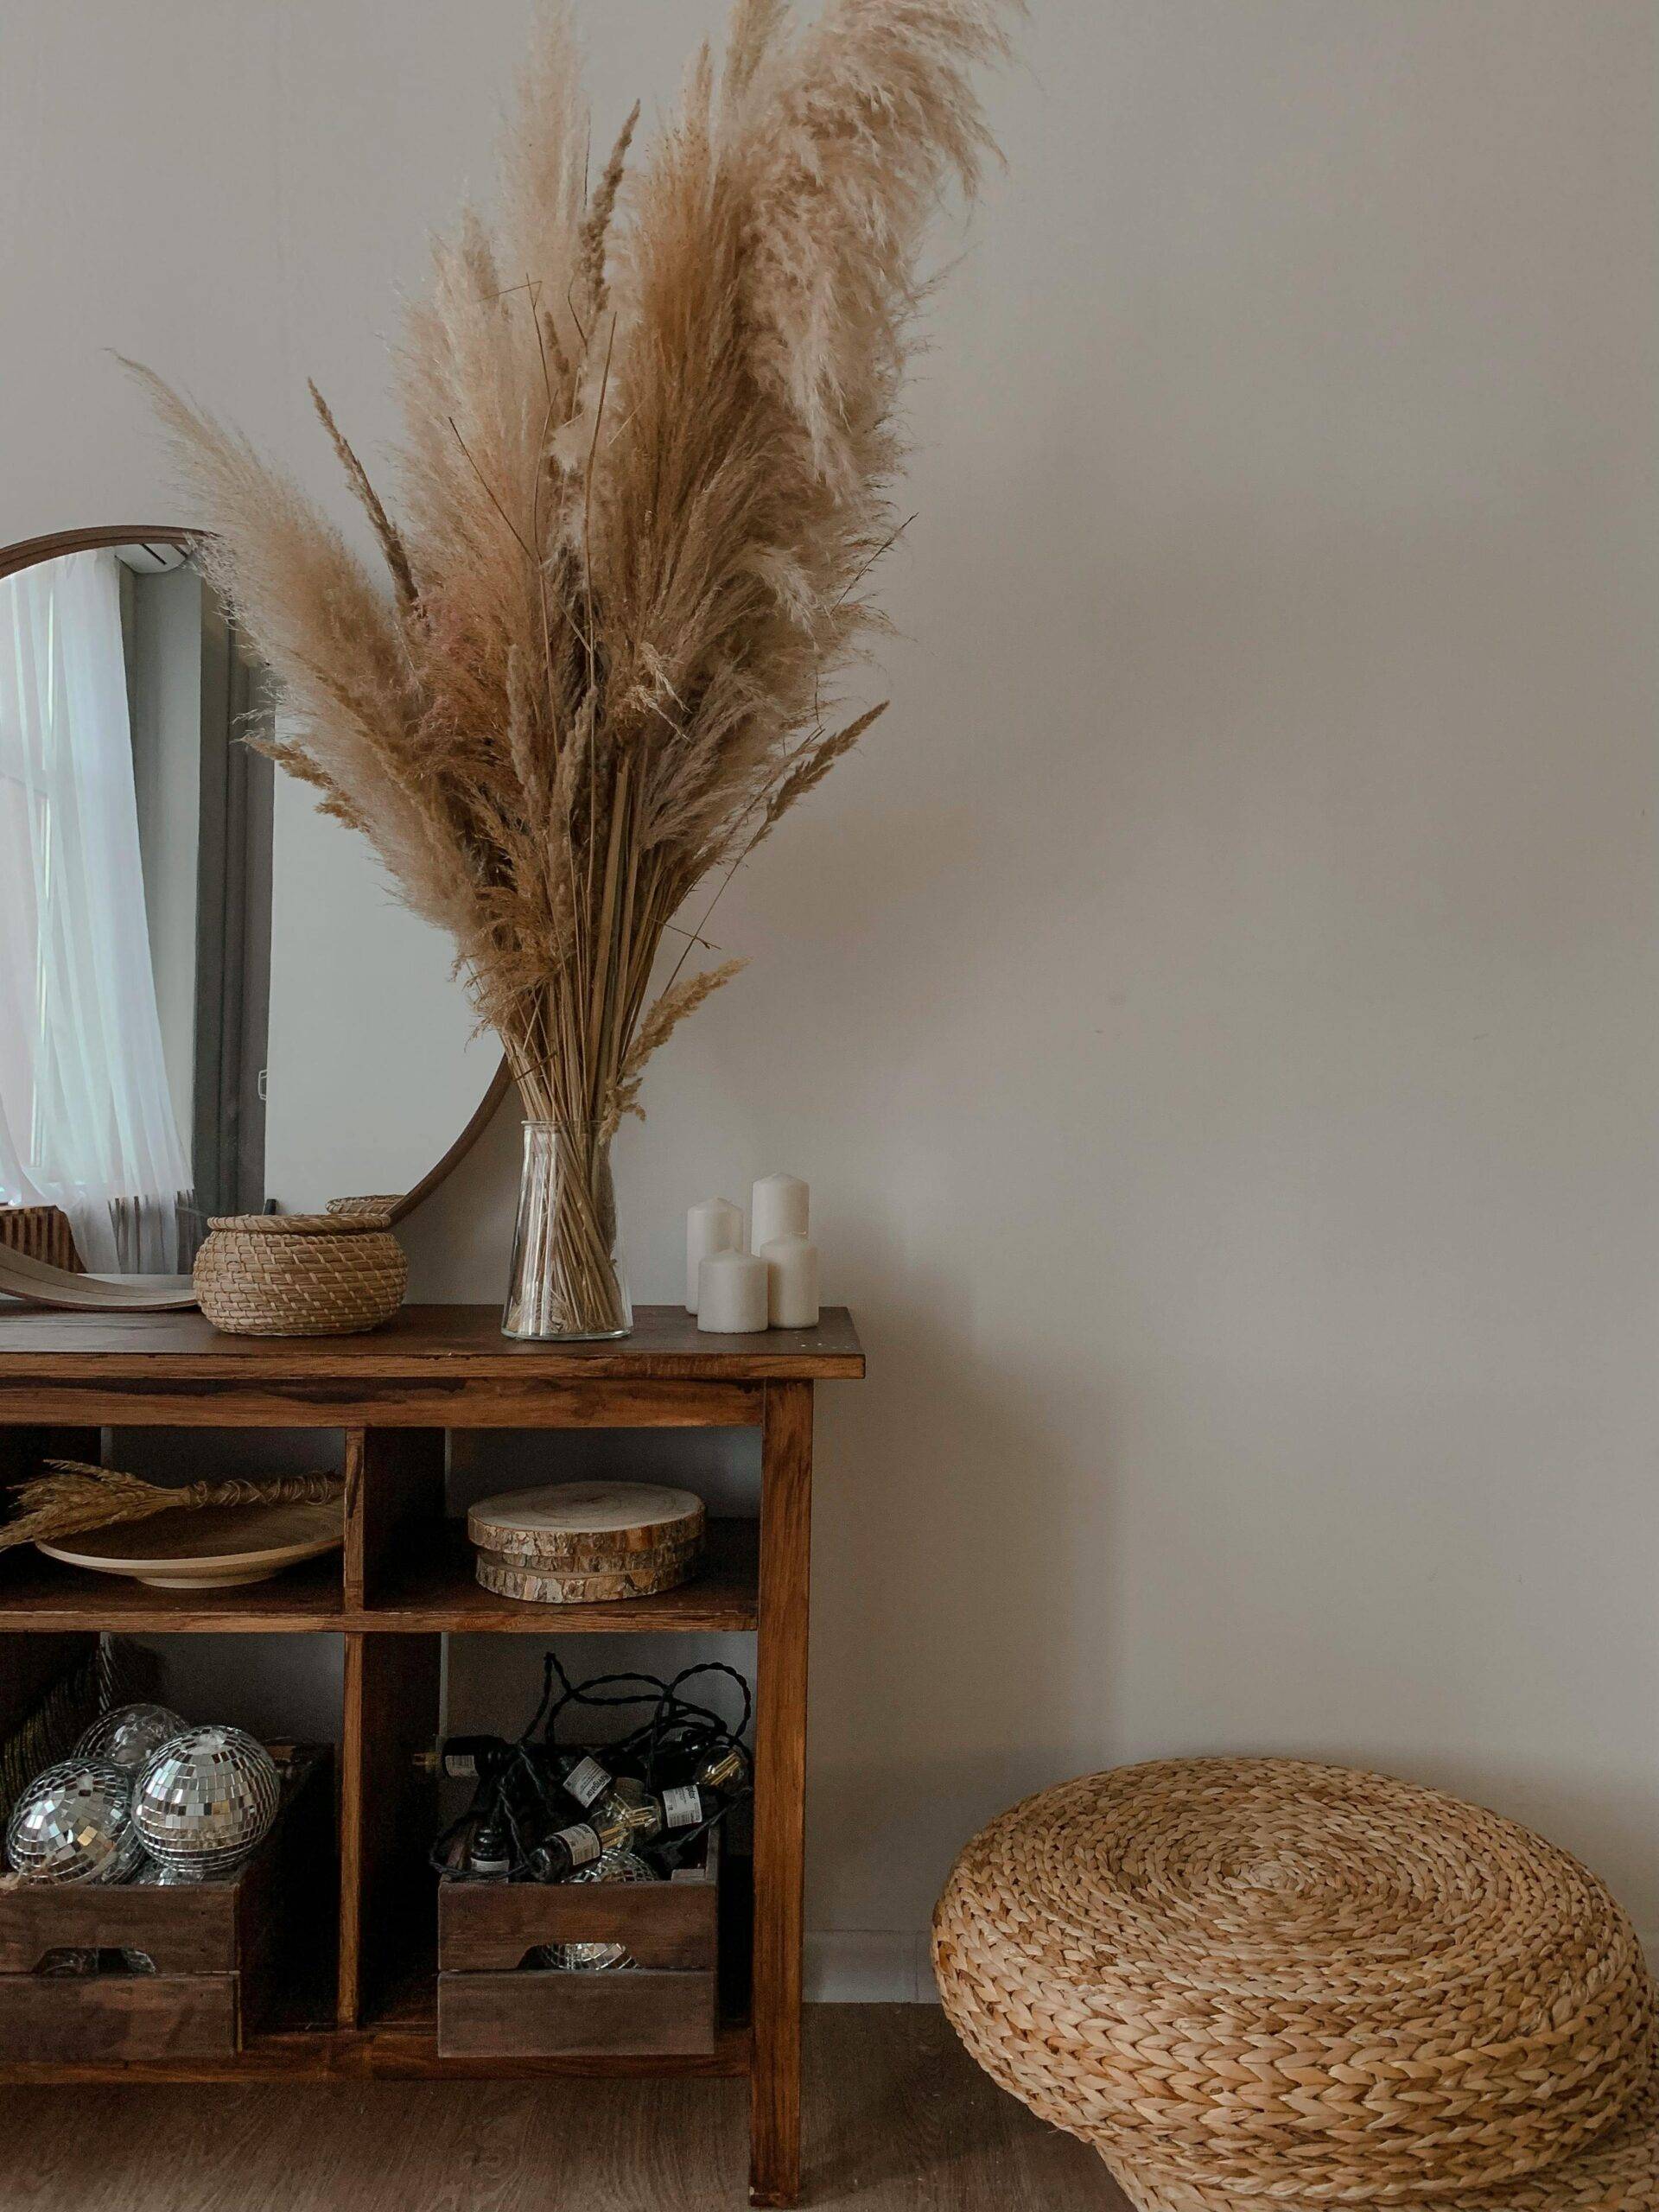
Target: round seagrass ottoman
1261, 1983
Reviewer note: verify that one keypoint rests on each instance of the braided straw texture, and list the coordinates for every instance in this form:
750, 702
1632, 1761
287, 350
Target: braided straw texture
1619, 2172
380, 1208
299, 1274
1295, 1984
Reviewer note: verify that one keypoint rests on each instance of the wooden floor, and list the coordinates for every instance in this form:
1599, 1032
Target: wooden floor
898, 2119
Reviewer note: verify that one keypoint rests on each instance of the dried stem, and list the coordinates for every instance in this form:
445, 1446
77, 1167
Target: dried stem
634, 530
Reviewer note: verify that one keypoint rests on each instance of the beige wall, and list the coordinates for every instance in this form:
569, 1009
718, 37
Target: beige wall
372, 1061
1218, 1013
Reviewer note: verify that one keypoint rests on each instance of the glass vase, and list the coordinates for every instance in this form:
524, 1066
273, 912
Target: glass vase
566, 1282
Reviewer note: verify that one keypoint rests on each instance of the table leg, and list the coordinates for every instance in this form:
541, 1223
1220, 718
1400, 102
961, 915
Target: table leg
780, 1793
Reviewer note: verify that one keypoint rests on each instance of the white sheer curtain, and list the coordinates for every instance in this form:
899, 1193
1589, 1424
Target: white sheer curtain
87, 1122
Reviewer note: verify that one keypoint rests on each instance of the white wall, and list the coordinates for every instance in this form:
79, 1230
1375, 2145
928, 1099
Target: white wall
1218, 1012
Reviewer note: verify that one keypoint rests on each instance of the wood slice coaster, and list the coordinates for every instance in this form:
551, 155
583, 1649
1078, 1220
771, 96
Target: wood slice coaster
508, 1579
585, 1528
600, 1558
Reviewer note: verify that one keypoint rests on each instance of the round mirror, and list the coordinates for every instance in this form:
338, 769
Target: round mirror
210, 1000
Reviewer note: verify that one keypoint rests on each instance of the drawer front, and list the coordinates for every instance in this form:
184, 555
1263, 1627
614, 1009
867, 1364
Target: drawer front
187, 1930
558, 2015
486, 1927
63, 2020
491, 1927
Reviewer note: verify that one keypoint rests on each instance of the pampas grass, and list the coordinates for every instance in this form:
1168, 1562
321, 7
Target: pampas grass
650, 436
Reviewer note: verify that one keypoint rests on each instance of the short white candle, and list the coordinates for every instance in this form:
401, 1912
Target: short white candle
778, 1209
715, 1225
791, 1282
732, 1295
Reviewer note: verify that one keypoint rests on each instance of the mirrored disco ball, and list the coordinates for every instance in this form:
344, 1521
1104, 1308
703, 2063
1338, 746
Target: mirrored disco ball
74, 1823
598, 1958
207, 1800
129, 1736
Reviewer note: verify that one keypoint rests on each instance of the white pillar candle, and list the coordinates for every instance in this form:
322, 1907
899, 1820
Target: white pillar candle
715, 1225
732, 1295
791, 1282
778, 1209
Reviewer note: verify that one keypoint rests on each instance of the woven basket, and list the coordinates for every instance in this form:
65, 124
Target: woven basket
302, 1275
1260, 1982
380, 1208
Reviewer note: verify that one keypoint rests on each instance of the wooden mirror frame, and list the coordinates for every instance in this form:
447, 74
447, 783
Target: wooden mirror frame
26, 553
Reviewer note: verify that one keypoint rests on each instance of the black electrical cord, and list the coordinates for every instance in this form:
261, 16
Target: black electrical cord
672, 1713
675, 1724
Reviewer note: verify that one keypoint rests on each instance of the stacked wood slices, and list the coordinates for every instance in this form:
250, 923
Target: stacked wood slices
587, 1543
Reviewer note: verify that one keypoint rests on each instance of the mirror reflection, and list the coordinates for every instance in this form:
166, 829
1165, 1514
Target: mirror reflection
209, 1003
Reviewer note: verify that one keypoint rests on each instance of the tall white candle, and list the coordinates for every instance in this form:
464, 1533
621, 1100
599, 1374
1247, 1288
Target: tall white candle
791, 1282
778, 1209
732, 1295
715, 1225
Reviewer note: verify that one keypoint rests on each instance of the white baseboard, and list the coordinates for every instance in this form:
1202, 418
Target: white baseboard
868, 1966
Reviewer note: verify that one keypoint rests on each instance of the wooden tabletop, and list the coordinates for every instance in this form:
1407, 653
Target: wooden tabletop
463, 1342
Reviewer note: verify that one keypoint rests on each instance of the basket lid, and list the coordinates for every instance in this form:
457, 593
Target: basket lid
382, 1205
300, 1224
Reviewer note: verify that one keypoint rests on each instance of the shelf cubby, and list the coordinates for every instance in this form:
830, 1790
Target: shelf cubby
431, 1585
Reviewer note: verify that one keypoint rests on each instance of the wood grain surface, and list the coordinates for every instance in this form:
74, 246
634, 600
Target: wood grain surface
38, 1594
459, 1339
434, 1396
487, 1927
549, 2015
387, 1809
648, 1575
898, 2119
564, 1526
117, 2017
780, 1788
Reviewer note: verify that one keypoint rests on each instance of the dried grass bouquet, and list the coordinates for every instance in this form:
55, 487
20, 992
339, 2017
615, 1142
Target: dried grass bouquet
649, 437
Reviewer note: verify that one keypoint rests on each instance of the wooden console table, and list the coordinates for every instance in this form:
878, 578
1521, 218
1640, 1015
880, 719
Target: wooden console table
403, 1581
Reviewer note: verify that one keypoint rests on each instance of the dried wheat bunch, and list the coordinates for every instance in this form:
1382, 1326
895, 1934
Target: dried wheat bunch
650, 440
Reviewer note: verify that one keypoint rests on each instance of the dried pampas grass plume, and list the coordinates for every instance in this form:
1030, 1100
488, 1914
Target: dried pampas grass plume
650, 435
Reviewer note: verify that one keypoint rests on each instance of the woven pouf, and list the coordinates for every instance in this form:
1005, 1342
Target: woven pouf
1262, 1982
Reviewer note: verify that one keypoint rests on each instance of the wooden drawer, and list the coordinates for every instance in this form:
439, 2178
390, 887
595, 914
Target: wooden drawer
90, 2019
491, 2004
213, 1950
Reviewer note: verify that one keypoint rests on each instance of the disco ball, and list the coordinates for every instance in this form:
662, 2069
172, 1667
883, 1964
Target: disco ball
597, 1958
206, 1800
74, 1823
129, 1735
